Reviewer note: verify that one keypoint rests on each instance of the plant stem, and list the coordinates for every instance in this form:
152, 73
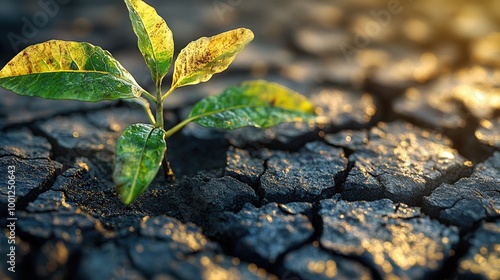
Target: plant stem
159, 106
149, 96
168, 173
170, 90
144, 103
180, 125
150, 115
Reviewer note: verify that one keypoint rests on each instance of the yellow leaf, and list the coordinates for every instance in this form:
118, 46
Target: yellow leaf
50, 56
202, 58
155, 39
68, 70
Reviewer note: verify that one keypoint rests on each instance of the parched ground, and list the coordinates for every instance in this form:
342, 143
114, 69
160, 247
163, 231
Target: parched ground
403, 182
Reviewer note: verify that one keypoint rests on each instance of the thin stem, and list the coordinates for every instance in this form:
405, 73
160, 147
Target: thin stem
180, 125
150, 114
170, 90
149, 96
159, 106
145, 105
168, 172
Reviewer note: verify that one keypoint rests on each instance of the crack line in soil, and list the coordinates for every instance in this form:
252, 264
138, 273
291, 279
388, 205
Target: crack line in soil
318, 232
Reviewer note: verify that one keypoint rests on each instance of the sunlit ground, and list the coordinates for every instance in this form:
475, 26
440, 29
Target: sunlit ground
436, 63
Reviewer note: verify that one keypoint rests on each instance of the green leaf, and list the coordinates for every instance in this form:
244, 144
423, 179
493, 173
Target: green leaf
68, 70
139, 152
254, 103
156, 41
202, 58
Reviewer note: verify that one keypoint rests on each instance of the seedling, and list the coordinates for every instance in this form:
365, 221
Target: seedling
80, 71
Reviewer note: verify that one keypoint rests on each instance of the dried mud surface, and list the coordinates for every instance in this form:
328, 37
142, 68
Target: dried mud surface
403, 182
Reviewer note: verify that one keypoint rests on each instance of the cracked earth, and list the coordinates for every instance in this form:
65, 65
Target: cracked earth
403, 182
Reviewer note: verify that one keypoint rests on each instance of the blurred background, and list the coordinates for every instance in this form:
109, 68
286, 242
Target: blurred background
304, 40
435, 63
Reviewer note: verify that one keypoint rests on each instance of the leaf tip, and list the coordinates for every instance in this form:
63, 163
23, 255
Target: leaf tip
247, 33
125, 193
127, 199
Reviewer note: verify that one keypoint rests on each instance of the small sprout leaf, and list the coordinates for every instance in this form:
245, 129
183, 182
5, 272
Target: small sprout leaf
254, 103
139, 152
68, 70
202, 58
155, 39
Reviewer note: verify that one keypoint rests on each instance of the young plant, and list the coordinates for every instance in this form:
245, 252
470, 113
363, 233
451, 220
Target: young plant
80, 71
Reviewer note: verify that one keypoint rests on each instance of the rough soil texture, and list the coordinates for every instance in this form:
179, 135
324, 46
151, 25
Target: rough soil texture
403, 182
